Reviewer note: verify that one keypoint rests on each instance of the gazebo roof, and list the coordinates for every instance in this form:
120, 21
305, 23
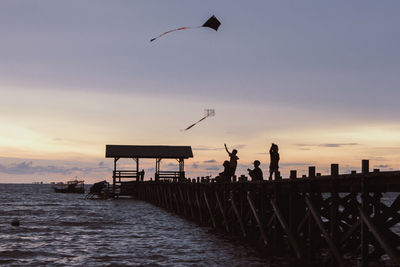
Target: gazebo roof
140, 151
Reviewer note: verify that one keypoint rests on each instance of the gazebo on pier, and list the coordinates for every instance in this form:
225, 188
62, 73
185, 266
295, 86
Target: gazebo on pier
136, 152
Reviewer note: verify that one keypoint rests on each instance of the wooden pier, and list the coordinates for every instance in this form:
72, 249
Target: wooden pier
346, 220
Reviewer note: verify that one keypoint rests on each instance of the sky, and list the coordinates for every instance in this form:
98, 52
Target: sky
319, 78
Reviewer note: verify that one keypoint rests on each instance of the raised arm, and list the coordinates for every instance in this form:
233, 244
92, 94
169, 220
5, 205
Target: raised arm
227, 151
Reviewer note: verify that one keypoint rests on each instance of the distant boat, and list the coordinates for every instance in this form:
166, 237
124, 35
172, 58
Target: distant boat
74, 186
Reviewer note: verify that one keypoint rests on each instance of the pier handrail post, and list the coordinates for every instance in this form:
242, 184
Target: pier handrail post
311, 171
365, 166
334, 169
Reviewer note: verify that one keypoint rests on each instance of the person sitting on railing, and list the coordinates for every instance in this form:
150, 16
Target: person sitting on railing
256, 174
224, 176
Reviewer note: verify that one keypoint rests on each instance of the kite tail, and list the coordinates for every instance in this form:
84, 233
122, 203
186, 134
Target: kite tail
178, 29
190, 126
195, 123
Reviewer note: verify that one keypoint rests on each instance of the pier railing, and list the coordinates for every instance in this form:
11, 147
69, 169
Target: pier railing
174, 176
124, 174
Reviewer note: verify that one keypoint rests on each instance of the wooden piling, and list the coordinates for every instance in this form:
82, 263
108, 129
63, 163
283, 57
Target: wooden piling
190, 204
394, 255
222, 211
334, 208
209, 210
364, 205
238, 217
259, 224
199, 207
286, 229
325, 234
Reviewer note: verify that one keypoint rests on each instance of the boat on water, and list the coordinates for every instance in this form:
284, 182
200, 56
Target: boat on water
74, 186
100, 190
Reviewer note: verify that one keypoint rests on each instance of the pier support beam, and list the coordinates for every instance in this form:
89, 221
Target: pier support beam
259, 224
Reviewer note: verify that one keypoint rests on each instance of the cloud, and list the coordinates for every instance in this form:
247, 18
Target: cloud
195, 165
382, 166
339, 144
150, 170
27, 167
204, 148
376, 158
305, 146
213, 167
210, 161
294, 164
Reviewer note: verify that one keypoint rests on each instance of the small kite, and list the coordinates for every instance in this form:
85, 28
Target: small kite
212, 23
207, 113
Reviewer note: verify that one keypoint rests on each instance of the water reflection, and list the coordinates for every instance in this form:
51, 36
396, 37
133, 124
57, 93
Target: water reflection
65, 230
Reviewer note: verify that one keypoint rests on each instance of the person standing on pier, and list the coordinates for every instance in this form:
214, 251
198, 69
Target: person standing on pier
256, 174
233, 161
274, 163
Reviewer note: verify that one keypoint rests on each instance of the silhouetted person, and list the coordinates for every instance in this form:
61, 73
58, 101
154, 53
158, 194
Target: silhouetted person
224, 176
232, 161
141, 175
274, 163
256, 174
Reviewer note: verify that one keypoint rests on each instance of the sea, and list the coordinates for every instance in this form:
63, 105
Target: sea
66, 230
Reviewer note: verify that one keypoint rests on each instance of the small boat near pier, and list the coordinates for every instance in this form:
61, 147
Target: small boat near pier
74, 186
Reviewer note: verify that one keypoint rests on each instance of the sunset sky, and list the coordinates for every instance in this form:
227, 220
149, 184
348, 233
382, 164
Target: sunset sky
319, 78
